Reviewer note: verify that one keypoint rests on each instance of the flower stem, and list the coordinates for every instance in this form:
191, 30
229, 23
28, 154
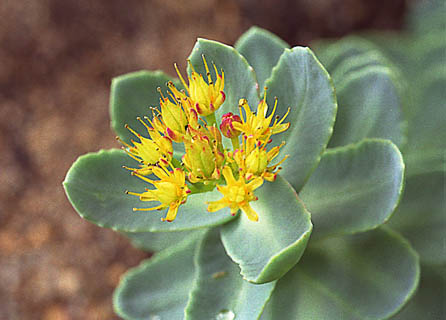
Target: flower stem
176, 163
210, 120
235, 143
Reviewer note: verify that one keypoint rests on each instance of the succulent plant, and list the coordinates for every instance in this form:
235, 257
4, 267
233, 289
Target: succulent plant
308, 242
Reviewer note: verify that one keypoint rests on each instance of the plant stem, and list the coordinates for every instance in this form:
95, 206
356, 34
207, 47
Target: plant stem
210, 120
235, 143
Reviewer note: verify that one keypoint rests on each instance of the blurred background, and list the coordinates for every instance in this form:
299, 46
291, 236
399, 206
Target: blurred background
57, 59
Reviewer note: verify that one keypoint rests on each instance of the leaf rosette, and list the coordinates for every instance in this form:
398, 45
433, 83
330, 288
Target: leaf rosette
246, 249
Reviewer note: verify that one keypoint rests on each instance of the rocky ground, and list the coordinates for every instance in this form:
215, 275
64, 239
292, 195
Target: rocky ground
57, 59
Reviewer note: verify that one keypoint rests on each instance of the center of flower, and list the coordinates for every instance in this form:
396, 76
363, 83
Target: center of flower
188, 117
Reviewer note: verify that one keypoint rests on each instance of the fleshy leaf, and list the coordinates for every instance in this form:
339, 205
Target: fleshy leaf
159, 287
365, 276
333, 54
355, 188
262, 49
157, 241
240, 80
369, 103
265, 250
131, 96
95, 186
430, 299
426, 146
219, 289
421, 216
300, 82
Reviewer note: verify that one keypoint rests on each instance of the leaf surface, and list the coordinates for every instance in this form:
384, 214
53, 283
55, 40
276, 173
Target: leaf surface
262, 49
265, 250
159, 287
300, 82
421, 216
131, 96
354, 188
366, 276
96, 184
219, 289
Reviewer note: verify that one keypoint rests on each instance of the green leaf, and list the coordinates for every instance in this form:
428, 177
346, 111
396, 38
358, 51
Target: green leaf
159, 287
430, 299
95, 186
300, 82
262, 49
334, 53
265, 250
355, 188
366, 276
368, 89
426, 16
426, 146
131, 96
369, 105
157, 241
219, 289
240, 80
420, 217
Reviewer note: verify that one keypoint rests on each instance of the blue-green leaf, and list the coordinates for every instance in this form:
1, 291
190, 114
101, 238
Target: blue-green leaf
366, 276
95, 186
219, 289
240, 80
300, 82
131, 96
354, 188
421, 216
265, 250
159, 287
430, 299
425, 151
369, 105
157, 241
262, 49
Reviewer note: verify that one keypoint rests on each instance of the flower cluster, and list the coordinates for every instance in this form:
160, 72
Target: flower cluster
188, 117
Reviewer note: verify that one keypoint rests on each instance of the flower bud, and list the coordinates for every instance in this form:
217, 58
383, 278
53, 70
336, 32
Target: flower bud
227, 127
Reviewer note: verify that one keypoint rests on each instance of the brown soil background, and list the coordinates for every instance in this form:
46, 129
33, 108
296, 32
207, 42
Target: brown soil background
56, 62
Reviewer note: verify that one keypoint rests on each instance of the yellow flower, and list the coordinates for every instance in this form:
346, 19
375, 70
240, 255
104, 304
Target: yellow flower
258, 124
157, 150
253, 159
206, 97
204, 157
171, 190
176, 115
236, 195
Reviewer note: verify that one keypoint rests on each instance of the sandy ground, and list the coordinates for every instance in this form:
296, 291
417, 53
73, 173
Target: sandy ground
57, 60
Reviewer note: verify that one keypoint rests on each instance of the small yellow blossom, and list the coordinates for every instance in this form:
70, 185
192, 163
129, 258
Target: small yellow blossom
206, 97
204, 157
171, 190
253, 159
236, 195
258, 124
157, 150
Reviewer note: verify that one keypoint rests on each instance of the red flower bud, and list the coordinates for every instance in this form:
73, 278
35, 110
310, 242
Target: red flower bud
227, 127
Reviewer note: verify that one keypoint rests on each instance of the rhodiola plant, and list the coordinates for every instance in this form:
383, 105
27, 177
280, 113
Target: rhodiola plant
261, 220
